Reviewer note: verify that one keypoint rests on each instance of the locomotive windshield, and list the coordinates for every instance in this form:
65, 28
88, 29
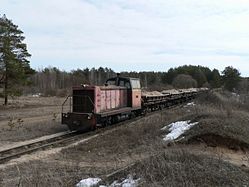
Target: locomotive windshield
135, 83
111, 82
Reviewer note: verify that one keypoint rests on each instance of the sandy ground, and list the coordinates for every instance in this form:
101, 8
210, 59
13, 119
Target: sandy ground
99, 155
30, 117
29, 101
236, 157
26, 107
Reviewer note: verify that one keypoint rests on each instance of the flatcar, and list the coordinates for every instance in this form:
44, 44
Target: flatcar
119, 99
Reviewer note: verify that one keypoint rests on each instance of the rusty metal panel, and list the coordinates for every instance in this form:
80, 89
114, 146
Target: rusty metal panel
117, 98
103, 100
97, 99
123, 98
108, 99
136, 98
113, 98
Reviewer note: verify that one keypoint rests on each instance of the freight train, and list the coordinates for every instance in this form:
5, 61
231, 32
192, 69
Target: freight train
119, 99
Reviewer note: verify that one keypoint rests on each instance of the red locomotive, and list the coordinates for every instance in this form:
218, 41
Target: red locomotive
119, 99
103, 105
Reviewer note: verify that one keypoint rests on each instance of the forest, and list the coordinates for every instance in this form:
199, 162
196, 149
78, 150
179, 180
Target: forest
52, 81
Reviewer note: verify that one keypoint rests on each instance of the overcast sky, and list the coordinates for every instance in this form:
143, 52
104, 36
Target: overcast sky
150, 35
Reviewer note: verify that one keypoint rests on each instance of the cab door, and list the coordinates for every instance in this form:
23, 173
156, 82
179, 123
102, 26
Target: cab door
136, 93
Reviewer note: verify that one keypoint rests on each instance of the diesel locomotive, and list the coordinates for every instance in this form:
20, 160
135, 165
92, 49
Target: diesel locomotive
119, 99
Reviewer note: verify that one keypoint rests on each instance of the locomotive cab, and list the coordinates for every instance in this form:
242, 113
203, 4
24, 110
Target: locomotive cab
133, 89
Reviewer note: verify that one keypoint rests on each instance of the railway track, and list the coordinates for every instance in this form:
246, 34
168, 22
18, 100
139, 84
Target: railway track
15, 152
66, 138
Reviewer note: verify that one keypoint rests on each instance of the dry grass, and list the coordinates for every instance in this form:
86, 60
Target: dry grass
141, 143
133, 138
15, 131
225, 100
182, 168
222, 121
30, 102
30, 117
102, 156
42, 174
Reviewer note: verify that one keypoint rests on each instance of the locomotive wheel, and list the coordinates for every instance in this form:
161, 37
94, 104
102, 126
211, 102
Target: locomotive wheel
132, 115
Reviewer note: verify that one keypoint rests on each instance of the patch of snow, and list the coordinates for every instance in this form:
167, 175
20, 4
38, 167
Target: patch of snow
177, 129
36, 95
190, 104
89, 182
129, 182
235, 94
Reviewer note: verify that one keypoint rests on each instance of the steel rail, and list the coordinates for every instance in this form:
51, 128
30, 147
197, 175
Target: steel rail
15, 152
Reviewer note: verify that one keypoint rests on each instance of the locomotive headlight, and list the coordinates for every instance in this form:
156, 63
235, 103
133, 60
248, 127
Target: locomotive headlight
89, 116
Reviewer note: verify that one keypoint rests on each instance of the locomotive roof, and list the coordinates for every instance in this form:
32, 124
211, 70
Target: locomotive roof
125, 78
128, 82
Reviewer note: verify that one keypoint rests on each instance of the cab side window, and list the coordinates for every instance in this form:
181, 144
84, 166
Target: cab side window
121, 83
127, 85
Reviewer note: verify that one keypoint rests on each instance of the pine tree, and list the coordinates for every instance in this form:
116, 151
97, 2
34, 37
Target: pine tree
14, 66
231, 77
215, 79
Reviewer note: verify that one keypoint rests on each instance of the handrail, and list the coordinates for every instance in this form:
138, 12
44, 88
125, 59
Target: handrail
62, 109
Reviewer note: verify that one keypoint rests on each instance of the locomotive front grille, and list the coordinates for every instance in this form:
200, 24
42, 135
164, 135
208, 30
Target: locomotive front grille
83, 101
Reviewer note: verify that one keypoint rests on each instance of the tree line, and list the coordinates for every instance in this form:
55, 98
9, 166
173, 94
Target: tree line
52, 81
